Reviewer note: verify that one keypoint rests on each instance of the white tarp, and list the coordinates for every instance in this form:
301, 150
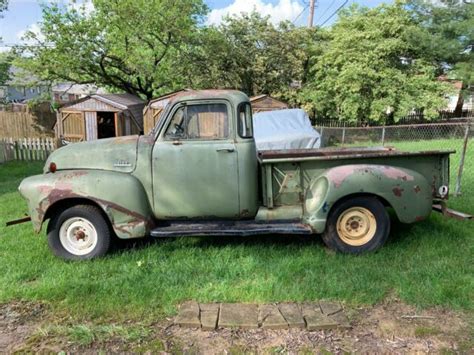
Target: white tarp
284, 129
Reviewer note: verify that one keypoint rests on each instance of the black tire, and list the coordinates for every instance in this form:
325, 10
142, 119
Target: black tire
94, 217
332, 237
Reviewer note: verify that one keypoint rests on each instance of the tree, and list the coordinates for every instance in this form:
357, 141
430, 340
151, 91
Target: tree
3, 8
127, 45
372, 69
446, 34
5, 64
248, 53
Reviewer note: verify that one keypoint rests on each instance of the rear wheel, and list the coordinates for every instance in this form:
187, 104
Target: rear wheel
358, 225
78, 233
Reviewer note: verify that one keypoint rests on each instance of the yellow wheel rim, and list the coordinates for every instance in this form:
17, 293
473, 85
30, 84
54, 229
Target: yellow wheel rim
356, 226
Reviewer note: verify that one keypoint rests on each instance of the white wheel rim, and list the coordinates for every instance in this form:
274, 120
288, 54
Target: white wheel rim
78, 236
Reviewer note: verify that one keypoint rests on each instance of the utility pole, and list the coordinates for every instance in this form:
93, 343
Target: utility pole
311, 13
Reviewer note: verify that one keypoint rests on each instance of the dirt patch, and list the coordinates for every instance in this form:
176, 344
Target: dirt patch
18, 320
386, 328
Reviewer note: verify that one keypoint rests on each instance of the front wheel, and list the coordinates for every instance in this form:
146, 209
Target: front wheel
358, 225
78, 233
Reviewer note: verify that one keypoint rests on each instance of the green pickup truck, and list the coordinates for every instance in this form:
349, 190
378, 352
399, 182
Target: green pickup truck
198, 173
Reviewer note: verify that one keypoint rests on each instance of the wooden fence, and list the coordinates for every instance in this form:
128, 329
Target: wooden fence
26, 148
26, 124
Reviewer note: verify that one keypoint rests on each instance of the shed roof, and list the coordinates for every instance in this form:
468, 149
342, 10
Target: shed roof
119, 101
161, 101
266, 97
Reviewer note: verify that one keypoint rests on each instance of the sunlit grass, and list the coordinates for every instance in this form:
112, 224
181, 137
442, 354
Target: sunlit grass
426, 264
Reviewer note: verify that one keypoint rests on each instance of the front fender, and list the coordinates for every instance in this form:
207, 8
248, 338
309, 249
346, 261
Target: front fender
407, 191
120, 195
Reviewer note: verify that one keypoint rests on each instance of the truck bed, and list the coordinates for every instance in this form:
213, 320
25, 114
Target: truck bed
287, 174
276, 156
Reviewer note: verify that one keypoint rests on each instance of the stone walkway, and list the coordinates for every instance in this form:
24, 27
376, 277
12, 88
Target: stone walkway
310, 316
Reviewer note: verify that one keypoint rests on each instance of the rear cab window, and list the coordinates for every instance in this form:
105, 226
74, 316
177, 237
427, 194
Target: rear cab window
245, 124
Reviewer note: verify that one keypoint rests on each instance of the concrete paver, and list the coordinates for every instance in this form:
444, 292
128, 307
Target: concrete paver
269, 317
239, 315
292, 314
312, 316
329, 308
209, 315
188, 315
315, 319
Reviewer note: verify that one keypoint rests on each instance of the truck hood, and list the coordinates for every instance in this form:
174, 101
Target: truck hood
116, 154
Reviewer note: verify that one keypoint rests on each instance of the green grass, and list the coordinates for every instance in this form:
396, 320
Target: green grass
426, 264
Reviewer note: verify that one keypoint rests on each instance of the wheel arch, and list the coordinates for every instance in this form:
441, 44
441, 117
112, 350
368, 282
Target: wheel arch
71, 202
342, 199
407, 192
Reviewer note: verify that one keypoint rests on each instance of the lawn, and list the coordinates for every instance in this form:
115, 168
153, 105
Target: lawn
426, 264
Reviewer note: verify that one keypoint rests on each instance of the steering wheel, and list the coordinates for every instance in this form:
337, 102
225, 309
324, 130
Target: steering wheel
178, 129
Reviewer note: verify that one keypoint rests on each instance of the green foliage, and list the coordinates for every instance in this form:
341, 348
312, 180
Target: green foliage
5, 64
446, 34
370, 68
374, 64
249, 53
127, 45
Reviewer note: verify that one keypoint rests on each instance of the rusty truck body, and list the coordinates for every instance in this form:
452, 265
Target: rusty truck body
198, 173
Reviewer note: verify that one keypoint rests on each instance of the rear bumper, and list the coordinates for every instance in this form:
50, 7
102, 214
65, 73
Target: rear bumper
448, 212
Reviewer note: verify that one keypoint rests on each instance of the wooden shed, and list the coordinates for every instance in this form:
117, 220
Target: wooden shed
265, 102
154, 108
100, 116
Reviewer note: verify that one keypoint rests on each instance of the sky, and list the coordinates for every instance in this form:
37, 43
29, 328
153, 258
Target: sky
25, 14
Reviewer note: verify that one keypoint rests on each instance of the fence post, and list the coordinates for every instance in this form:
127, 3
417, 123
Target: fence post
383, 135
343, 135
461, 162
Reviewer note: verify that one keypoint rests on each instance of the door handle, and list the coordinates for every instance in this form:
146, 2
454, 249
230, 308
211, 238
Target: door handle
227, 150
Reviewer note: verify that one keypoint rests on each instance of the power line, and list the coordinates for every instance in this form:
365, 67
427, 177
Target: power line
324, 12
301, 13
334, 13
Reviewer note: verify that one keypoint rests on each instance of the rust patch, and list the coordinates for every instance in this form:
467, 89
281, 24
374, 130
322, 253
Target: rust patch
339, 174
58, 194
397, 191
419, 218
417, 189
395, 174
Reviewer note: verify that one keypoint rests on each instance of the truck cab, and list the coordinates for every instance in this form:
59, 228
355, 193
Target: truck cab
204, 160
199, 173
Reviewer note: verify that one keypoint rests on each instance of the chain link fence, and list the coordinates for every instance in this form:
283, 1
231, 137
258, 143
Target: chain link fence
458, 136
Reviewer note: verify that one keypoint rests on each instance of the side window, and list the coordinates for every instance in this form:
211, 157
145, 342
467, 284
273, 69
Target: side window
206, 121
176, 129
245, 121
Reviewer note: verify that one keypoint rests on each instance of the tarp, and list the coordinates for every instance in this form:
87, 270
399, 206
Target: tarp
284, 129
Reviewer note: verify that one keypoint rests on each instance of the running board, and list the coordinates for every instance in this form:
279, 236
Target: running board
228, 228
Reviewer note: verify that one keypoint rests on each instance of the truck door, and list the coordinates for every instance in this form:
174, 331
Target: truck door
195, 163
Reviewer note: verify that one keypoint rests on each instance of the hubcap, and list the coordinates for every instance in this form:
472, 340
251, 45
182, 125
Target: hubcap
78, 236
356, 226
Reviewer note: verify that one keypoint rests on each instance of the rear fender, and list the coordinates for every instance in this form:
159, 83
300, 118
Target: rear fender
406, 191
121, 196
